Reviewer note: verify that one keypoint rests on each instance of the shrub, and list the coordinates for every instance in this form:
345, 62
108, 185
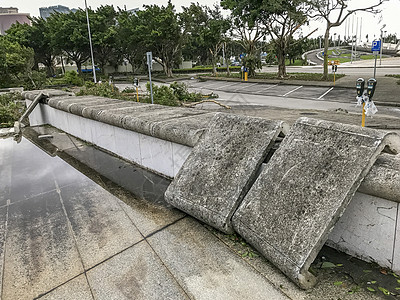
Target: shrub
10, 109
103, 89
71, 77
181, 92
163, 95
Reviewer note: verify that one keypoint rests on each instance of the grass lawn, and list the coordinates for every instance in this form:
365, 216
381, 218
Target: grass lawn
291, 76
297, 62
394, 76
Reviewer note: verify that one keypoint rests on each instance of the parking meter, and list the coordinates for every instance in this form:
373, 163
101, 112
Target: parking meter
360, 86
136, 82
371, 85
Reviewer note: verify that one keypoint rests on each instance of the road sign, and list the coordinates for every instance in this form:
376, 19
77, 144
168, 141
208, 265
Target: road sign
149, 56
376, 45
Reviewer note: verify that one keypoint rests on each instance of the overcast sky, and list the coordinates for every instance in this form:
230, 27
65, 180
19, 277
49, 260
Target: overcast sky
370, 24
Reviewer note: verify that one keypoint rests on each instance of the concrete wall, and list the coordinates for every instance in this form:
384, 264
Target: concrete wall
368, 228
158, 155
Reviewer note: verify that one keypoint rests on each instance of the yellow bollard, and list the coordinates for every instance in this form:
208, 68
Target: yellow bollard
137, 94
245, 76
363, 116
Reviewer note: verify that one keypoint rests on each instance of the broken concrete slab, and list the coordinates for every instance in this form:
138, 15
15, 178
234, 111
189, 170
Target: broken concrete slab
304, 189
221, 167
383, 180
140, 275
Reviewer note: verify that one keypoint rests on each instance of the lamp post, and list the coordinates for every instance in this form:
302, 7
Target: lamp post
380, 58
90, 43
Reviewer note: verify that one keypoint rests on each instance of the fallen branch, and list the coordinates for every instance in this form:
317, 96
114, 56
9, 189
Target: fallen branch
203, 101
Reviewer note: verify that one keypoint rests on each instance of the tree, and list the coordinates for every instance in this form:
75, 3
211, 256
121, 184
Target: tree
160, 31
16, 61
335, 12
193, 20
69, 34
129, 42
205, 28
104, 35
280, 19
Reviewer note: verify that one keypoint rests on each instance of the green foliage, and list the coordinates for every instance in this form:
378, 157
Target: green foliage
10, 109
160, 32
103, 89
180, 90
252, 62
16, 61
72, 77
204, 70
163, 95
172, 95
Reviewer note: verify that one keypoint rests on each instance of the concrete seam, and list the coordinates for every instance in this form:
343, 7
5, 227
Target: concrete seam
166, 267
4, 251
395, 233
73, 234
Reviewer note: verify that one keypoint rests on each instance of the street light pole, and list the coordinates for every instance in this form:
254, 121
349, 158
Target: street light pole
90, 43
380, 59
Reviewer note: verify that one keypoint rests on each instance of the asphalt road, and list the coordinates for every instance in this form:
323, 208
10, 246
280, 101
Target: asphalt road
285, 96
342, 69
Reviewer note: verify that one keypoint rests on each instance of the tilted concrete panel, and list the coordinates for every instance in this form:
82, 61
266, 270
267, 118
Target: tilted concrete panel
221, 167
303, 190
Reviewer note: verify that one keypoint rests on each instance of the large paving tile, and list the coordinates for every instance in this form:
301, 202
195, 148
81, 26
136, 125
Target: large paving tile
136, 273
77, 288
40, 249
3, 230
150, 217
31, 174
6, 150
205, 267
100, 226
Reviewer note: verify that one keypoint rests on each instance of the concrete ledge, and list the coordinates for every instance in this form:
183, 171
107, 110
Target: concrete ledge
383, 180
304, 189
169, 123
30, 95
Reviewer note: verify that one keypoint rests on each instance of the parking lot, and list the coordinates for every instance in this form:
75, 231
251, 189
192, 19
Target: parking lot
278, 90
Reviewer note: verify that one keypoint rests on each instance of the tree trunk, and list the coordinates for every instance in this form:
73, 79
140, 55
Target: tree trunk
79, 67
326, 47
281, 64
228, 72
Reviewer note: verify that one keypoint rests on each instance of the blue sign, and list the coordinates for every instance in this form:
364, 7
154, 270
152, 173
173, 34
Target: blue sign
376, 46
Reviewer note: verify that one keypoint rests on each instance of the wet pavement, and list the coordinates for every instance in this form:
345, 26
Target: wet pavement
78, 223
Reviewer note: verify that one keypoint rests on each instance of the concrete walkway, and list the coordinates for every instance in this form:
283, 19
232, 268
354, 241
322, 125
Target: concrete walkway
69, 235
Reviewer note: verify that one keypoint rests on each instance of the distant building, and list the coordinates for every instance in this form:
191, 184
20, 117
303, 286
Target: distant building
45, 12
9, 16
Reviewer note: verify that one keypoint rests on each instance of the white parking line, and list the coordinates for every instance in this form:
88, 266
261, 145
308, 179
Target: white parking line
324, 94
207, 84
267, 88
299, 87
226, 85
245, 86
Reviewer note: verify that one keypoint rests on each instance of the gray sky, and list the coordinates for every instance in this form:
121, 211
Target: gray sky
370, 24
